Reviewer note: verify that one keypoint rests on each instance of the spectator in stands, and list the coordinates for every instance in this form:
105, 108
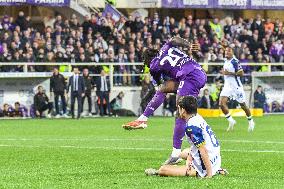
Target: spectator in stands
58, 88
41, 103
259, 98
206, 100
89, 85
22, 21
65, 39
103, 90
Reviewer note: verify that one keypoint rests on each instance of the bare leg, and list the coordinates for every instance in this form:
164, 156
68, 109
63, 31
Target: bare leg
223, 104
176, 171
246, 109
185, 153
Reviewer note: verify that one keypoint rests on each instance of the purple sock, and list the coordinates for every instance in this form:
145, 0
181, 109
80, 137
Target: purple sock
156, 101
179, 133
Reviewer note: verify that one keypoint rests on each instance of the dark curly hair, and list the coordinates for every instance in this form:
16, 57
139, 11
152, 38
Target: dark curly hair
189, 103
148, 55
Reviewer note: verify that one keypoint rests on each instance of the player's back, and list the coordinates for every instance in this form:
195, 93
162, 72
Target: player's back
232, 65
171, 60
200, 133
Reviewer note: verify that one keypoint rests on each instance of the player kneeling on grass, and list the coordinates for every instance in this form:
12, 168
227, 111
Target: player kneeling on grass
203, 158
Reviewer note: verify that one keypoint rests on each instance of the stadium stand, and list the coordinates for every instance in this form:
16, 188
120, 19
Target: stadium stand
100, 39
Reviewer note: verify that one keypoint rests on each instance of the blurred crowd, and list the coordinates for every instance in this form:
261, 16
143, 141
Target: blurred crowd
100, 39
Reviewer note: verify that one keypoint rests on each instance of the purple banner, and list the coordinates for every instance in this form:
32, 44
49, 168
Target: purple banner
115, 14
267, 4
231, 4
224, 4
187, 3
57, 3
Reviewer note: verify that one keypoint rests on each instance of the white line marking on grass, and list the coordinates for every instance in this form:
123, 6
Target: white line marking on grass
132, 148
131, 139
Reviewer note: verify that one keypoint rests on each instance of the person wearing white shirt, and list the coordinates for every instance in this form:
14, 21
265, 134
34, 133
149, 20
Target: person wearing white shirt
233, 89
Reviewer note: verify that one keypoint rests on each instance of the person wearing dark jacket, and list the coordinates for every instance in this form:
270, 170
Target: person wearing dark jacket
259, 98
77, 88
22, 21
206, 100
58, 87
17, 112
41, 103
6, 111
103, 89
89, 83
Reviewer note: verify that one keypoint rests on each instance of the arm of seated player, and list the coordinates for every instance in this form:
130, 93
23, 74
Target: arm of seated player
178, 41
205, 158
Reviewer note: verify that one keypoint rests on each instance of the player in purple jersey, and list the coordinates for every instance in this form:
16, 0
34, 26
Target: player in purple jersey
187, 78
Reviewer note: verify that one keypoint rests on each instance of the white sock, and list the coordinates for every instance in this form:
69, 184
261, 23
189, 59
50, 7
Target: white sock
229, 117
142, 118
176, 152
249, 118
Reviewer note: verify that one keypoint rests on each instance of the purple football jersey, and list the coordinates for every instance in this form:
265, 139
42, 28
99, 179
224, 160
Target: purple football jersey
172, 62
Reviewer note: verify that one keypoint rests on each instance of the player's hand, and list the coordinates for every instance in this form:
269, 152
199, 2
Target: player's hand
83, 94
172, 161
222, 72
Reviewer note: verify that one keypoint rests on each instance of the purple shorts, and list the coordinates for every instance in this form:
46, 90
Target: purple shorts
191, 84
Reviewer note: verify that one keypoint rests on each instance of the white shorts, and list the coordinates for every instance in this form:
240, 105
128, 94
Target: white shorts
237, 94
200, 169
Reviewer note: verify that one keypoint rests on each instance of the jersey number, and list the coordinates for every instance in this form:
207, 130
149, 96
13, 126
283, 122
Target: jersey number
174, 56
212, 136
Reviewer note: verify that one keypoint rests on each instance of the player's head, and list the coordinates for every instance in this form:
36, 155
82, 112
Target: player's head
148, 55
187, 105
229, 52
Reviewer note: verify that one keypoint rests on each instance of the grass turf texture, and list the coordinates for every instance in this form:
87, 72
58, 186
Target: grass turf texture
98, 153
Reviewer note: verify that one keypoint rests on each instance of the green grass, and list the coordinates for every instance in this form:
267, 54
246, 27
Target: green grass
98, 153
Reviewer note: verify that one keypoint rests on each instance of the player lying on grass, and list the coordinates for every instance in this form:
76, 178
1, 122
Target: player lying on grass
203, 158
233, 89
187, 78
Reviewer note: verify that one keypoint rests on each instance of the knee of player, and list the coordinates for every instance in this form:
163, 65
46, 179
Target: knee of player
162, 170
185, 153
243, 105
222, 104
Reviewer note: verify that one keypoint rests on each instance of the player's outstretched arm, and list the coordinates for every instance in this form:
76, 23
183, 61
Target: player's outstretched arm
205, 157
178, 41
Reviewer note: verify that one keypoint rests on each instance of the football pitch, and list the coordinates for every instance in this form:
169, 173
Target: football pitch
98, 153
